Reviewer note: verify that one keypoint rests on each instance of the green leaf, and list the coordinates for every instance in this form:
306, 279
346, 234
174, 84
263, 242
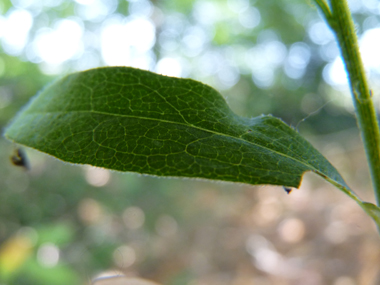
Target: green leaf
373, 211
133, 120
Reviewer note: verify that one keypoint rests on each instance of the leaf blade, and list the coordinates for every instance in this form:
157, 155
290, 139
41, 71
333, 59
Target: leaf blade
133, 120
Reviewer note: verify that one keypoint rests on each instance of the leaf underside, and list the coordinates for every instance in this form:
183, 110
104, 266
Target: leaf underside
133, 120
128, 119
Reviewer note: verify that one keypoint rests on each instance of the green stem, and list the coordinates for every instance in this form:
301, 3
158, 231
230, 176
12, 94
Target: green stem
343, 26
324, 8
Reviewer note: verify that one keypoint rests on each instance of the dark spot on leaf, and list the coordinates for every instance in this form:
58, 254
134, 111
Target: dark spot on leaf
18, 158
287, 189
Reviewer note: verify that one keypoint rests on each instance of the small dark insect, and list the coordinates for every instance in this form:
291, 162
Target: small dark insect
18, 158
287, 189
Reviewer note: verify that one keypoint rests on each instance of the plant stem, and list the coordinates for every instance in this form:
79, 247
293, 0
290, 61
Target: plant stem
343, 26
324, 8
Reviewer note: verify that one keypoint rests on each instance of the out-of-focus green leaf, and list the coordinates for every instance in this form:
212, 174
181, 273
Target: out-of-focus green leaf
58, 234
35, 273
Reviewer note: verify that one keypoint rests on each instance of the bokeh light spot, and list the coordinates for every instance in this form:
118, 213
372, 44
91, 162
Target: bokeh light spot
250, 18
124, 256
166, 226
14, 30
320, 33
334, 73
90, 211
207, 12
48, 255
194, 40
369, 48
265, 257
336, 232
292, 230
169, 66
122, 43
344, 280
141, 8
133, 218
63, 42
97, 177
297, 61
95, 10
238, 5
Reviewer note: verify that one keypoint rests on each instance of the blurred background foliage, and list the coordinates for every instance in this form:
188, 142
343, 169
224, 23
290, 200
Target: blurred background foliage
62, 224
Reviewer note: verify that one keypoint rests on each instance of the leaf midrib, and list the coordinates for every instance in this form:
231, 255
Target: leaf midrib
179, 123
